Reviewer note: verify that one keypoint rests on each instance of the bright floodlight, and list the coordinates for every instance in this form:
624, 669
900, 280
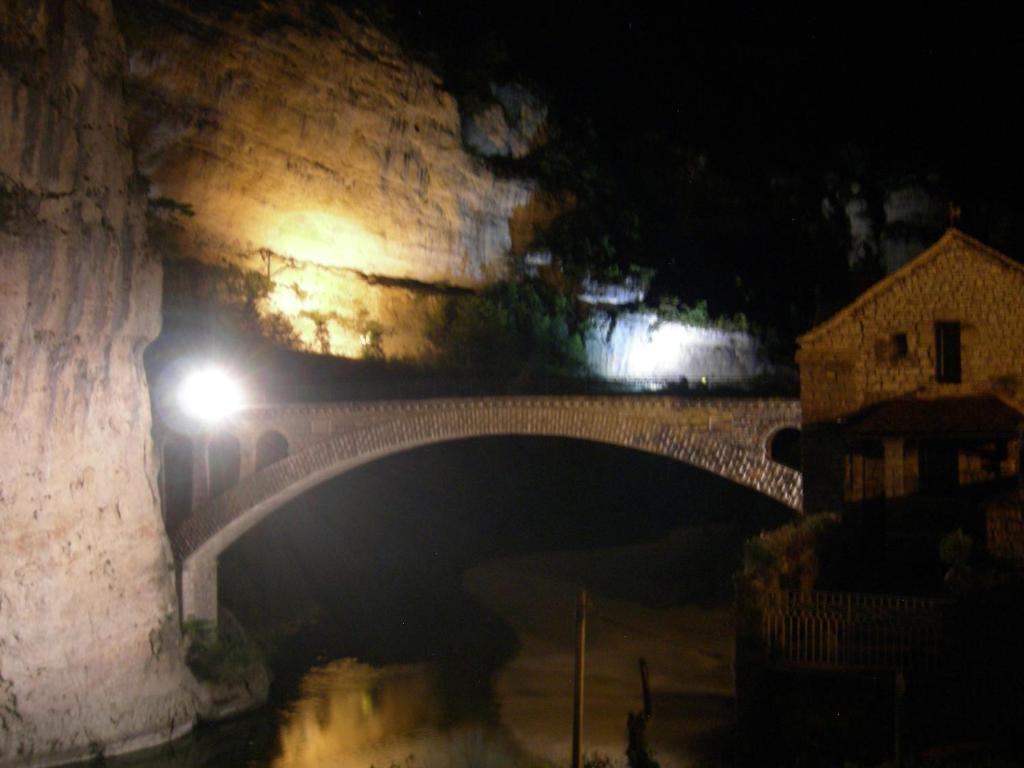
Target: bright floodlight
209, 395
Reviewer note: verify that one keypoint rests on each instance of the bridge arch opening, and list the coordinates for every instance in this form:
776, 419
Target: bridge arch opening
395, 523
784, 447
224, 456
271, 447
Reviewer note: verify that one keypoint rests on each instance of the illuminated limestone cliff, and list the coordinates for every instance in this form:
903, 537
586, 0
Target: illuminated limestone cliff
640, 345
90, 656
311, 139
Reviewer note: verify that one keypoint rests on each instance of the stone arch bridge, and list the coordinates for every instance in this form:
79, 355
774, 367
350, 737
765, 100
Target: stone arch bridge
281, 451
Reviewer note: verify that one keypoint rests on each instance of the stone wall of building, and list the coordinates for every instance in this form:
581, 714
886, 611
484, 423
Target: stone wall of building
1004, 528
855, 359
90, 653
883, 346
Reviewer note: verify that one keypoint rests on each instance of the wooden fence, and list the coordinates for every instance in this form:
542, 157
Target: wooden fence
846, 630
1004, 529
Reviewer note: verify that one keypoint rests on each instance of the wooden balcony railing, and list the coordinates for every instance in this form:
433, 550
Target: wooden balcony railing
845, 630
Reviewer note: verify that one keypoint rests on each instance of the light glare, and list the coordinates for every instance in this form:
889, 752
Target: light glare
209, 395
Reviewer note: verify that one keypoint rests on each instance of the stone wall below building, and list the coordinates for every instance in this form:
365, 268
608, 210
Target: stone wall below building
1004, 527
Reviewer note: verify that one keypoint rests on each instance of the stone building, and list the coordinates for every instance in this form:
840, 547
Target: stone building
913, 394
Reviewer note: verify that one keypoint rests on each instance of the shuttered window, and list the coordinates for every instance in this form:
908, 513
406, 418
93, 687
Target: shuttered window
947, 353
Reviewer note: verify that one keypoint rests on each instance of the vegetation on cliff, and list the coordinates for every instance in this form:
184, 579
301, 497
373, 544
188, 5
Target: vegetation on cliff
223, 301
511, 330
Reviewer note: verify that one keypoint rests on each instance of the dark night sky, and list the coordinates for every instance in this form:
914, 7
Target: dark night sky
925, 87
785, 106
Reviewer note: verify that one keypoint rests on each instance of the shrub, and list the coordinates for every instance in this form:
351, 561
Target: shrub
597, 760
371, 339
671, 309
786, 557
216, 656
226, 299
510, 330
321, 333
955, 553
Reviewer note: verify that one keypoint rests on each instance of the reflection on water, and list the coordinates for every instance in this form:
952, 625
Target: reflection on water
350, 714
347, 715
346, 711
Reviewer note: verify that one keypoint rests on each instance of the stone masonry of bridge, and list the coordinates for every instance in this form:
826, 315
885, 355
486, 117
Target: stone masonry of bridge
727, 437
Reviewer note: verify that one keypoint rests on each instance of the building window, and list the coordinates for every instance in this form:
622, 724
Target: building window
947, 353
271, 448
176, 474
225, 463
939, 466
899, 345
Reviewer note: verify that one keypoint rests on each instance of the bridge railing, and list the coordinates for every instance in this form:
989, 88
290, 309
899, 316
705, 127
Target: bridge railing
847, 630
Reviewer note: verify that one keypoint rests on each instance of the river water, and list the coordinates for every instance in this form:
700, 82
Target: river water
346, 714
417, 622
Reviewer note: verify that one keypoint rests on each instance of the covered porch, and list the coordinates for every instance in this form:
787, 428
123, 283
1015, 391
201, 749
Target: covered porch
916, 469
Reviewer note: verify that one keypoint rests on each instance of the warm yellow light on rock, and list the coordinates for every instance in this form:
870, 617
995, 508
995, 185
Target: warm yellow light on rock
317, 311
326, 307
328, 239
287, 300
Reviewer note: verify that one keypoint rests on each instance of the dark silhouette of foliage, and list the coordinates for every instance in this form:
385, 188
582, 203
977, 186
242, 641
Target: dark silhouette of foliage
510, 330
224, 301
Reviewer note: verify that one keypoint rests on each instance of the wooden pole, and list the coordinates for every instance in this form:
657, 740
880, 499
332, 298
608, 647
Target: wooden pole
645, 687
900, 690
577, 710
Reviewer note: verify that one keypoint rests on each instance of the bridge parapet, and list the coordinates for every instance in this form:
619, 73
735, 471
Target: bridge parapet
733, 420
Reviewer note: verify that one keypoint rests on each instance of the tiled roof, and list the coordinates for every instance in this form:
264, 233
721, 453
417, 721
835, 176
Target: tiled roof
952, 238
973, 416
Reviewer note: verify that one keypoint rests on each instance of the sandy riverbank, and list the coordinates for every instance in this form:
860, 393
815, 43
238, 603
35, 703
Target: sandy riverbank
639, 608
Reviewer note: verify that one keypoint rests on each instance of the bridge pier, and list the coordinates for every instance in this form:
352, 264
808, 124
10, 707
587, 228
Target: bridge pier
199, 589
200, 469
247, 467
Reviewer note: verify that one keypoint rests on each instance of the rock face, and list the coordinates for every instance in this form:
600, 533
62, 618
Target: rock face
310, 136
631, 290
914, 216
90, 657
890, 223
637, 345
863, 237
511, 126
